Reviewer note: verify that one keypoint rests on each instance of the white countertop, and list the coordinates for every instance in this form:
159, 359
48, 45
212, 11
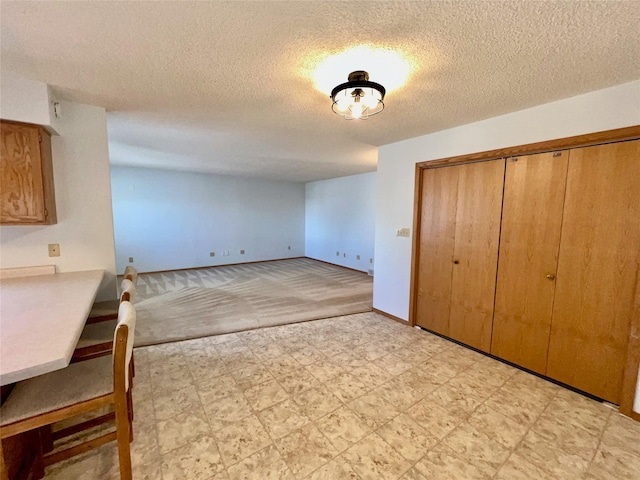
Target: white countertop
41, 319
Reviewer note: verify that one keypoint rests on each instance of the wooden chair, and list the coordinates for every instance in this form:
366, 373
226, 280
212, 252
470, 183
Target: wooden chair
108, 310
96, 338
81, 387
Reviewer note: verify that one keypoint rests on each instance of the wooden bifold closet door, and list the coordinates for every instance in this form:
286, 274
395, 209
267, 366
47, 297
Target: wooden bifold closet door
529, 242
536, 260
459, 235
597, 269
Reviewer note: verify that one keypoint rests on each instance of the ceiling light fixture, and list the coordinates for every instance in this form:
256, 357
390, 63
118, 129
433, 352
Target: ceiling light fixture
358, 98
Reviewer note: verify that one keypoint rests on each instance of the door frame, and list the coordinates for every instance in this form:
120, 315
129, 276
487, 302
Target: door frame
632, 365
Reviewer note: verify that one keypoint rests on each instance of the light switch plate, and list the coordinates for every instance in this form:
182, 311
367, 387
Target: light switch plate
403, 232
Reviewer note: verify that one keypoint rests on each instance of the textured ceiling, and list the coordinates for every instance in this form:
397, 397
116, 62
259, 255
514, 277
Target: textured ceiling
227, 87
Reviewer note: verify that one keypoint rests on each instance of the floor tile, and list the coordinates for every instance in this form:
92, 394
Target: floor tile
374, 459
265, 395
374, 409
336, 469
371, 375
199, 459
435, 419
441, 463
346, 387
399, 393
343, 428
213, 390
227, 410
297, 381
517, 468
413, 474
306, 450
267, 464
250, 376
240, 439
498, 426
172, 403
420, 380
519, 410
317, 402
623, 433
612, 463
280, 365
477, 448
551, 460
283, 418
393, 364
182, 429
407, 437
563, 434
325, 371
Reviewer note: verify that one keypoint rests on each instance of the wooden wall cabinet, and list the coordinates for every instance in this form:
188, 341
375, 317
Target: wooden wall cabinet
26, 175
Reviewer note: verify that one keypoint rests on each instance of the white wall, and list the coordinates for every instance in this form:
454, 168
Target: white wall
340, 217
601, 110
83, 202
170, 220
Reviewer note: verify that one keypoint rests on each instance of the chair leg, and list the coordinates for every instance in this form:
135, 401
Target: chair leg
46, 437
122, 436
37, 469
4, 474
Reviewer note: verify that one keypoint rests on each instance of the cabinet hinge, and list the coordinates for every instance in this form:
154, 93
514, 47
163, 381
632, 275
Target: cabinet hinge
46, 214
40, 138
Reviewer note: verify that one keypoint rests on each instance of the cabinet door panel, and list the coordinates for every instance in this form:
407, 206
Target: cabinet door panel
437, 226
529, 241
477, 235
22, 197
597, 269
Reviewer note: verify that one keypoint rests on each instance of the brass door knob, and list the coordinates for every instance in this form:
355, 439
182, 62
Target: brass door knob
551, 277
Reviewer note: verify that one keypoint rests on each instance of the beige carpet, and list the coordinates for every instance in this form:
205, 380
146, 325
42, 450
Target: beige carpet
208, 301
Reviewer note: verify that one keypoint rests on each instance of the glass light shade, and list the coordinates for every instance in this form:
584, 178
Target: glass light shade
358, 98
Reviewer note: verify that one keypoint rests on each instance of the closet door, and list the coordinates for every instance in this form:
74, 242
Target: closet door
475, 257
437, 228
597, 269
529, 242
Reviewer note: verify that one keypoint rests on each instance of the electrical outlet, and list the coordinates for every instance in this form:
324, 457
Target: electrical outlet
371, 260
357, 257
344, 255
337, 254
289, 247
212, 254
130, 259
241, 252
54, 249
